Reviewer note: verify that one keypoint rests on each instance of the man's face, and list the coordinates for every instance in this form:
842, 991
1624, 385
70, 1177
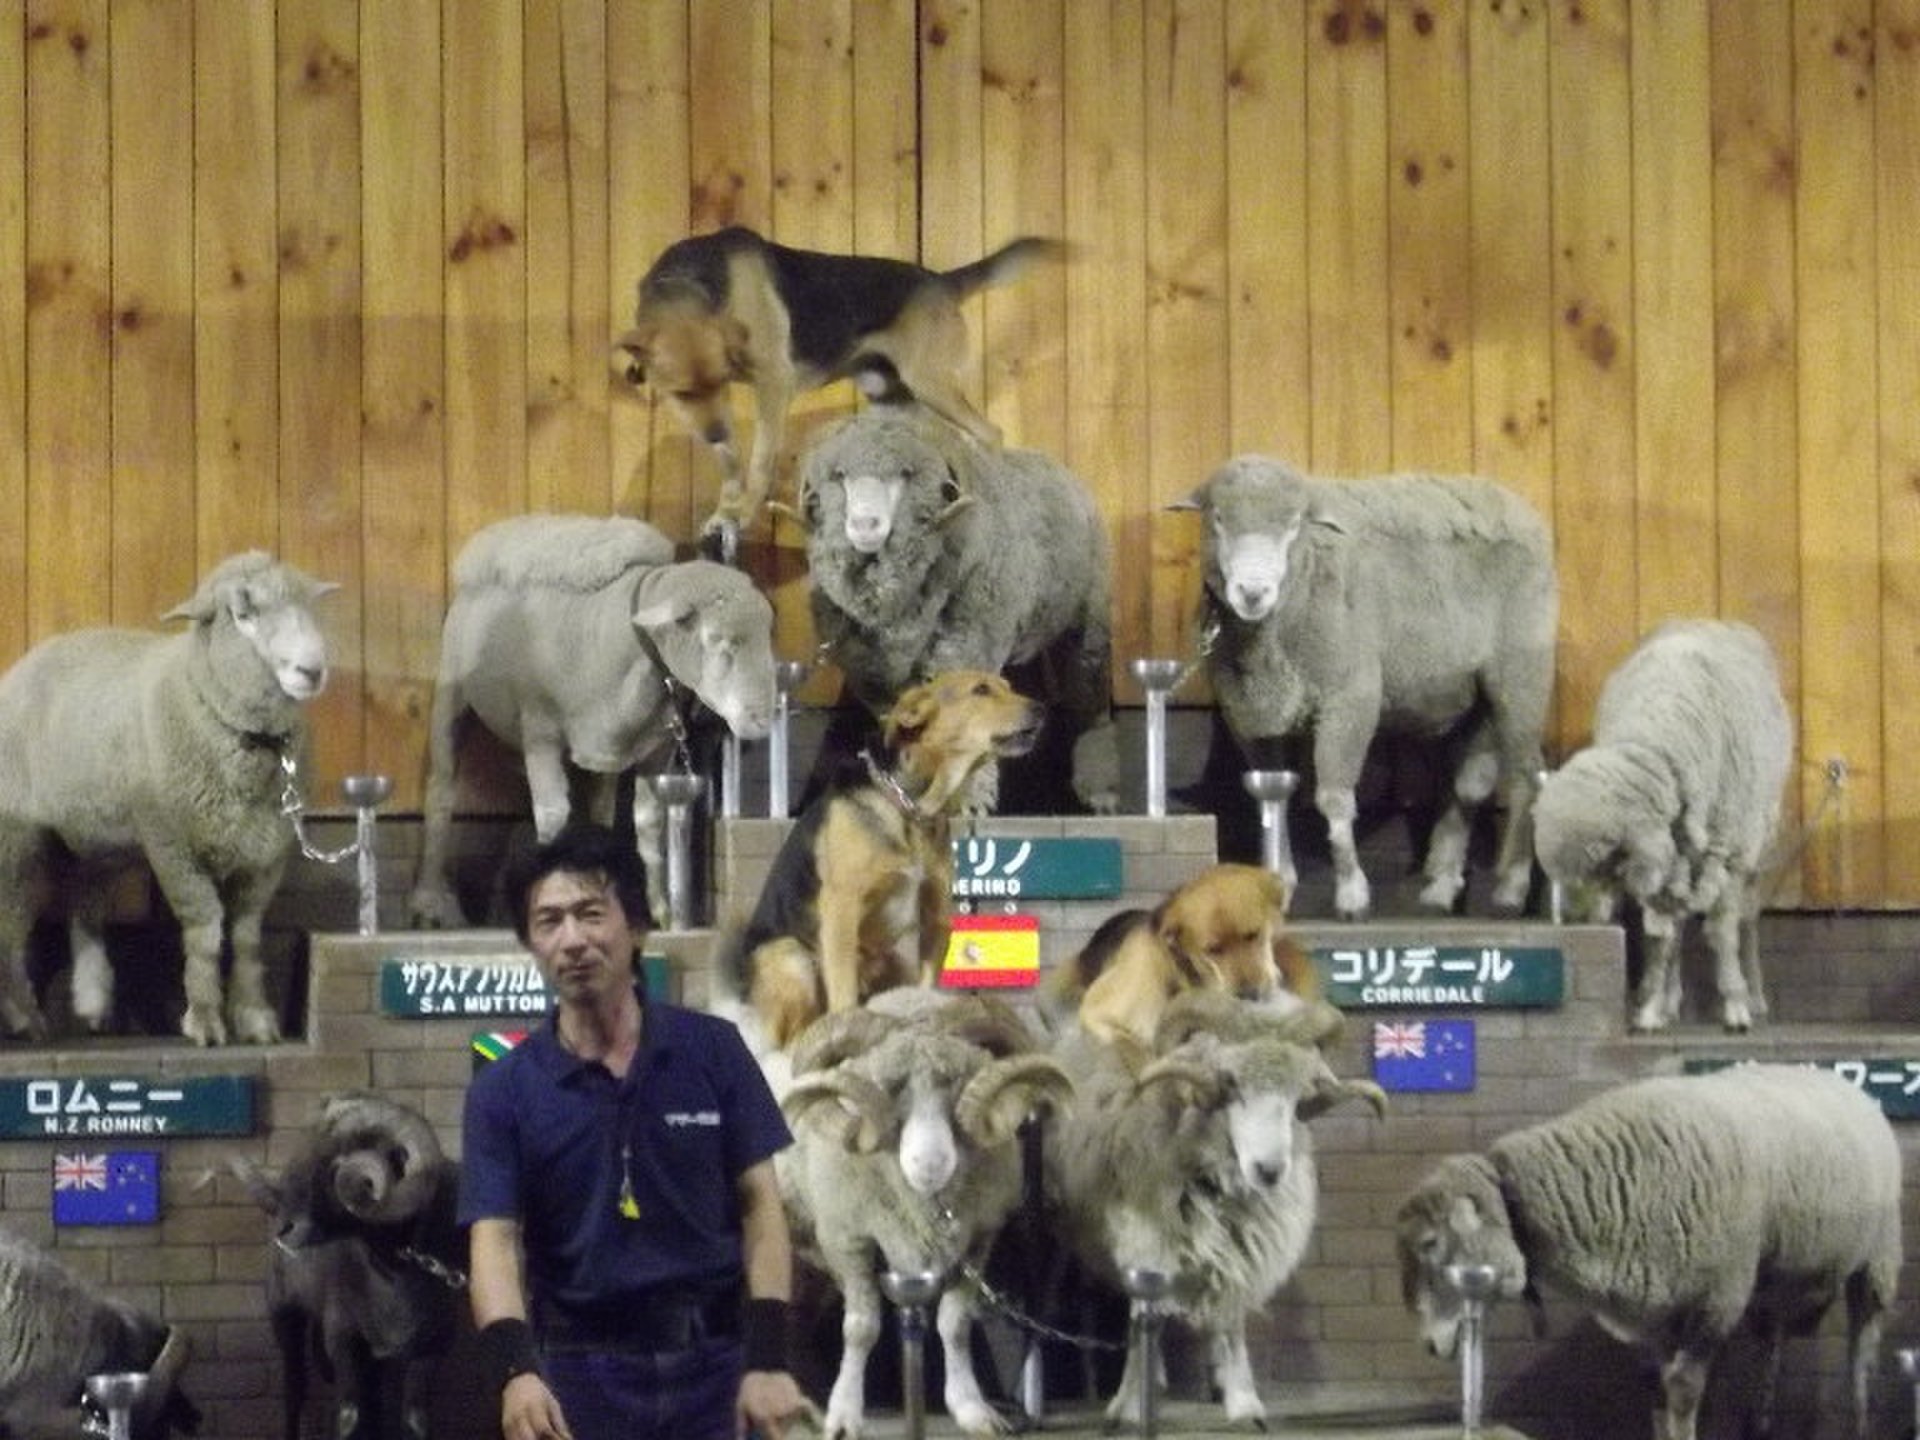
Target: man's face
578, 931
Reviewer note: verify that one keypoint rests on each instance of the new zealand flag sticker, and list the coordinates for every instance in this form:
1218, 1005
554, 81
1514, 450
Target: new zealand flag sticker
1423, 1055
117, 1188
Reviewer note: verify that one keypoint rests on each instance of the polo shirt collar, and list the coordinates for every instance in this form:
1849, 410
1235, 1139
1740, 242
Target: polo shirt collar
659, 1028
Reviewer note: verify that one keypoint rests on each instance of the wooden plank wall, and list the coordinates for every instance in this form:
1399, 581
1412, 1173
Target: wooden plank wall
338, 279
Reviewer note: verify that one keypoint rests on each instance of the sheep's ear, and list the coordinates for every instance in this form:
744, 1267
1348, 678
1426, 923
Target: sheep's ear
1464, 1217
1196, 501
659, 614
955, 494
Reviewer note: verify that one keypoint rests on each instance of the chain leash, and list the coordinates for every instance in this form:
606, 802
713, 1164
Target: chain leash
293, 805
942, 1231
446, 1274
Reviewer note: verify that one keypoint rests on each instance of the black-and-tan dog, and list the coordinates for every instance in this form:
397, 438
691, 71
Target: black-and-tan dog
733, 306
859, 898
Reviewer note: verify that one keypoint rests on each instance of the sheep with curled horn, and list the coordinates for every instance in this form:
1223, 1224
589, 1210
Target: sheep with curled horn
906, 1115
1198, 1166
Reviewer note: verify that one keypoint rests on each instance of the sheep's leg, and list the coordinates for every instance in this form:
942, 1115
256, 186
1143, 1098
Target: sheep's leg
1866, 1314
1659, 986
1446, 867
650, 839
547, 785
1772, 1352
1352, 897
965, 1403
92, 971
1683, 1380
1233, 1373
252, 1017
1722, 925
1750, 955
196, 904
20, 882
433, 904
859, 1332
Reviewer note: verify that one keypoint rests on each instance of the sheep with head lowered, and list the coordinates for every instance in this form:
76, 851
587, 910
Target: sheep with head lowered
57, 1329
120, 744
1198, 1166
575, 639
364, 1266
927, 553
1672, 1207
1416, 603
1676, 803
906, 1114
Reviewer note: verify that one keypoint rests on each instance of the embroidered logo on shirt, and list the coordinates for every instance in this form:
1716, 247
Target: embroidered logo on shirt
692, 1117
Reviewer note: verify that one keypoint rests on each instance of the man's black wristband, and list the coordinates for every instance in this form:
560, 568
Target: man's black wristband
763, 1334
508, 1350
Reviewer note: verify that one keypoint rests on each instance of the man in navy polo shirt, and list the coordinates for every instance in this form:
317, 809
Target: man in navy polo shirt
630, 1264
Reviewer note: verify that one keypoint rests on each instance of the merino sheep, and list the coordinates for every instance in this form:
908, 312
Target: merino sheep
119, 743
926, 553
1676, 803
1672, 1207
1198, 1166
1419, 603
56, 1329
363, 1265
570, 637
906, 1113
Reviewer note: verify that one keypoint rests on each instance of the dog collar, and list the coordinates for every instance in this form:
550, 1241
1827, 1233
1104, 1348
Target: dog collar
894, 790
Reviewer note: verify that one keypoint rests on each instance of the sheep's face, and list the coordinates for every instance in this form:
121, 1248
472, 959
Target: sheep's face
929, 1152
1455, 1219
1255, 510
875, 480
269, 607
714, 630
1261, 1127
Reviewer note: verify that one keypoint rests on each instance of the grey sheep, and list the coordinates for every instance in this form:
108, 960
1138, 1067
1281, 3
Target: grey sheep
364, 1267
1415, 603
906, 1115
1672, 1207
1676, 803
117, 744
577, 640
57, 1329
927, 553
1198, 1166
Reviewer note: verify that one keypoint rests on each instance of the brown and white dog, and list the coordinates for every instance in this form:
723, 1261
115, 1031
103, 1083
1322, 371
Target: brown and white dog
1220, 931
859, 899
733, 306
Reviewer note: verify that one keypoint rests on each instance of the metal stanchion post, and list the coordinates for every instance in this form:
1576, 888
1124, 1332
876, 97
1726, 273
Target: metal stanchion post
1158, 678
1910, 1367
1272, 789
679, 794
117, 1392
1556, 898
788, 676
1476, 1286
730, 776
366, 793
911, 1295
1146, 1289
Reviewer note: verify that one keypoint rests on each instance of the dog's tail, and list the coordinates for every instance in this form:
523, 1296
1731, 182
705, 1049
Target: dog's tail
1002, 265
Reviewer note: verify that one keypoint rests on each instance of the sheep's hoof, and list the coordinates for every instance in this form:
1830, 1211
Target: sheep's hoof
434, 910
255, 1025
28, 1025
203, 1026
1441, 892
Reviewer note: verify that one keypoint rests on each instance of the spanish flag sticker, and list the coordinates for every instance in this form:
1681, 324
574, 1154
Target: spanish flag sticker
992, 950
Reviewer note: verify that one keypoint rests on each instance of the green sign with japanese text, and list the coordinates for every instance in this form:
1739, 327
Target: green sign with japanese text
431, 986
990, 867
1442, 976
106, 1107
1894, 1083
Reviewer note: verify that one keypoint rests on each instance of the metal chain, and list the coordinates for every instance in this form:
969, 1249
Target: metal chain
446, 1274
942, 1230
293, 805
1789, 861
676, 723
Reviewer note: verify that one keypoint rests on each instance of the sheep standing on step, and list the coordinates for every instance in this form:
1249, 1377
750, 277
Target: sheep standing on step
906, 1114
1198, 1166
1676, 803
119, 744
1415, 603
1672, 1207
56, 1329
577, 639
927, 553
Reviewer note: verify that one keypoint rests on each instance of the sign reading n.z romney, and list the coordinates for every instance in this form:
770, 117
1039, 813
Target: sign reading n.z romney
1450, 976
99, 1105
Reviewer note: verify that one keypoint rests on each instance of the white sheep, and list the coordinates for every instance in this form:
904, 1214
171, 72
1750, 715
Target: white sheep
1676, 803
121, 743
1198, 1166
578, 639
1417, 603
906, 1114
1672, 1207
56, 1329
927, 553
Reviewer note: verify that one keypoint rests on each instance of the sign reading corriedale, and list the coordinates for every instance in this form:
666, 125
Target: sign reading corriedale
101, 1105
1443, 976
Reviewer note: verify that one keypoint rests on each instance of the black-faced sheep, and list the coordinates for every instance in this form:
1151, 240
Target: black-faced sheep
1676, 803
363, 1270
1672, 1207
575, 639
906, 1114
1415, 603
118, 744
1198, 1166
927, 553
57, 1329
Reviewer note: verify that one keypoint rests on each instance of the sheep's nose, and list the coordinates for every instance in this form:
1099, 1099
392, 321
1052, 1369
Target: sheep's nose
861, 527
717, 433
1266, 1176
1252, 595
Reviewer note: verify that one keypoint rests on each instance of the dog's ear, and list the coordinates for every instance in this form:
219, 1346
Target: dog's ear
739, 343
910, 714
630, 354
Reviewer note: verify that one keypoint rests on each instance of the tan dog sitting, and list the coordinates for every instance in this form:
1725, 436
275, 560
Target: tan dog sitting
1220, 931
860, 896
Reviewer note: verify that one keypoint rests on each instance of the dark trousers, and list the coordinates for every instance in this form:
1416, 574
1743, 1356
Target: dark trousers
687, 1394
